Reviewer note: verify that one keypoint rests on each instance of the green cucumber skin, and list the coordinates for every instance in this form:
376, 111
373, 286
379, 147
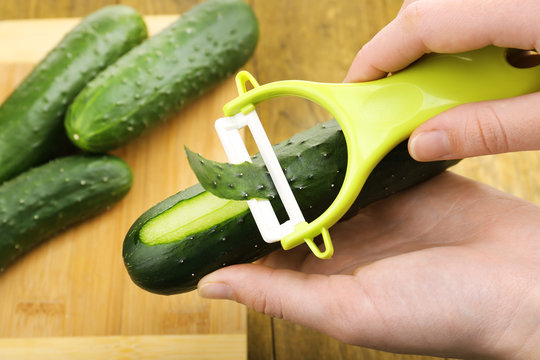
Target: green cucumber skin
315, 161
44, 200
154, 80
31, 118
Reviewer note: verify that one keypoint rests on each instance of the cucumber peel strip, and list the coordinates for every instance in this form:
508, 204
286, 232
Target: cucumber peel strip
252, 181
232, 181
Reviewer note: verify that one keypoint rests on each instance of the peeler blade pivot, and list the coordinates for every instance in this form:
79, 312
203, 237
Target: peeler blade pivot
265, 217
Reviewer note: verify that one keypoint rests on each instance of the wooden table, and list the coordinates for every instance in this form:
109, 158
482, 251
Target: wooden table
87, 307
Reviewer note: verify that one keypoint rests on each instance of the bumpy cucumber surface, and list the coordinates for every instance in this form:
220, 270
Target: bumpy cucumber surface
190, 234
31, 118
149, 83
44, 200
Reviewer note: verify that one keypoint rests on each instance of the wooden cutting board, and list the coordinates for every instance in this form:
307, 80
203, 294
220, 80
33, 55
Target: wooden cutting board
75, 284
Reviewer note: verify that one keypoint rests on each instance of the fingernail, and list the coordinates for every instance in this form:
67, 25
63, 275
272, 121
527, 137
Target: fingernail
430, 145
215, 290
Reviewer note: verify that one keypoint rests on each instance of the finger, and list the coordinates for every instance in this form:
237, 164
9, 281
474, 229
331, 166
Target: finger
482, 128
446, 27
388, 305
306, 299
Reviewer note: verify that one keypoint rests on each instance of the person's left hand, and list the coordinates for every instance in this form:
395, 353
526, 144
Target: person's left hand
448, 268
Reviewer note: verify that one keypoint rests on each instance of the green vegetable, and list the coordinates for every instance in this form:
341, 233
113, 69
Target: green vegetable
31, 118
149, 83
190, 234
44, 200
240, 181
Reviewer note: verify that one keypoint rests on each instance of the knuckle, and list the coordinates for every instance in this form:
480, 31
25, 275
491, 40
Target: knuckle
263, 303
414, 13
415, 21
490, 129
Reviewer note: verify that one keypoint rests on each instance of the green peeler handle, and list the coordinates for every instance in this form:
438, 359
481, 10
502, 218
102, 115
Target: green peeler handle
375, 116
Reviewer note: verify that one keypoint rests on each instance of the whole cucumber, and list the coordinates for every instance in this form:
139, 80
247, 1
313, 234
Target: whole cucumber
203, 47
188, 235
31, 118
44, 200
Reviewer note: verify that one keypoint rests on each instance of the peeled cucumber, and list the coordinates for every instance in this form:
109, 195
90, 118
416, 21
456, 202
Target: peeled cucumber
192, 233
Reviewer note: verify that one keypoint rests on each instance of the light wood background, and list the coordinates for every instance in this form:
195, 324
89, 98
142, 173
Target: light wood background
74, 288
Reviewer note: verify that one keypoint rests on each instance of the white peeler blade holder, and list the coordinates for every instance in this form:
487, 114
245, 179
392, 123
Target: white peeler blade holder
263, 213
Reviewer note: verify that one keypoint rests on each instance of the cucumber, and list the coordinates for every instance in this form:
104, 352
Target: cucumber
157, 78
44, 200
192, 233
31, 118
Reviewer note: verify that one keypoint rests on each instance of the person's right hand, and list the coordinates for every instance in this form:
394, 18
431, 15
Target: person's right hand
451, 26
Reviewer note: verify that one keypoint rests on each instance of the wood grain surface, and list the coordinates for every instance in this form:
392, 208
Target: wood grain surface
147, 347
76, 285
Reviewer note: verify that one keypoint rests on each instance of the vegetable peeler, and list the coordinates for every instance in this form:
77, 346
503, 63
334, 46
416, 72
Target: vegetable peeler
375, 116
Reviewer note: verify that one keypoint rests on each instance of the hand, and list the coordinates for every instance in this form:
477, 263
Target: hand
450, 26
448, 268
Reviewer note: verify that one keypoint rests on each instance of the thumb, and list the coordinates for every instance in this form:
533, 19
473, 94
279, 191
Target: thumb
481, 128
307, 299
